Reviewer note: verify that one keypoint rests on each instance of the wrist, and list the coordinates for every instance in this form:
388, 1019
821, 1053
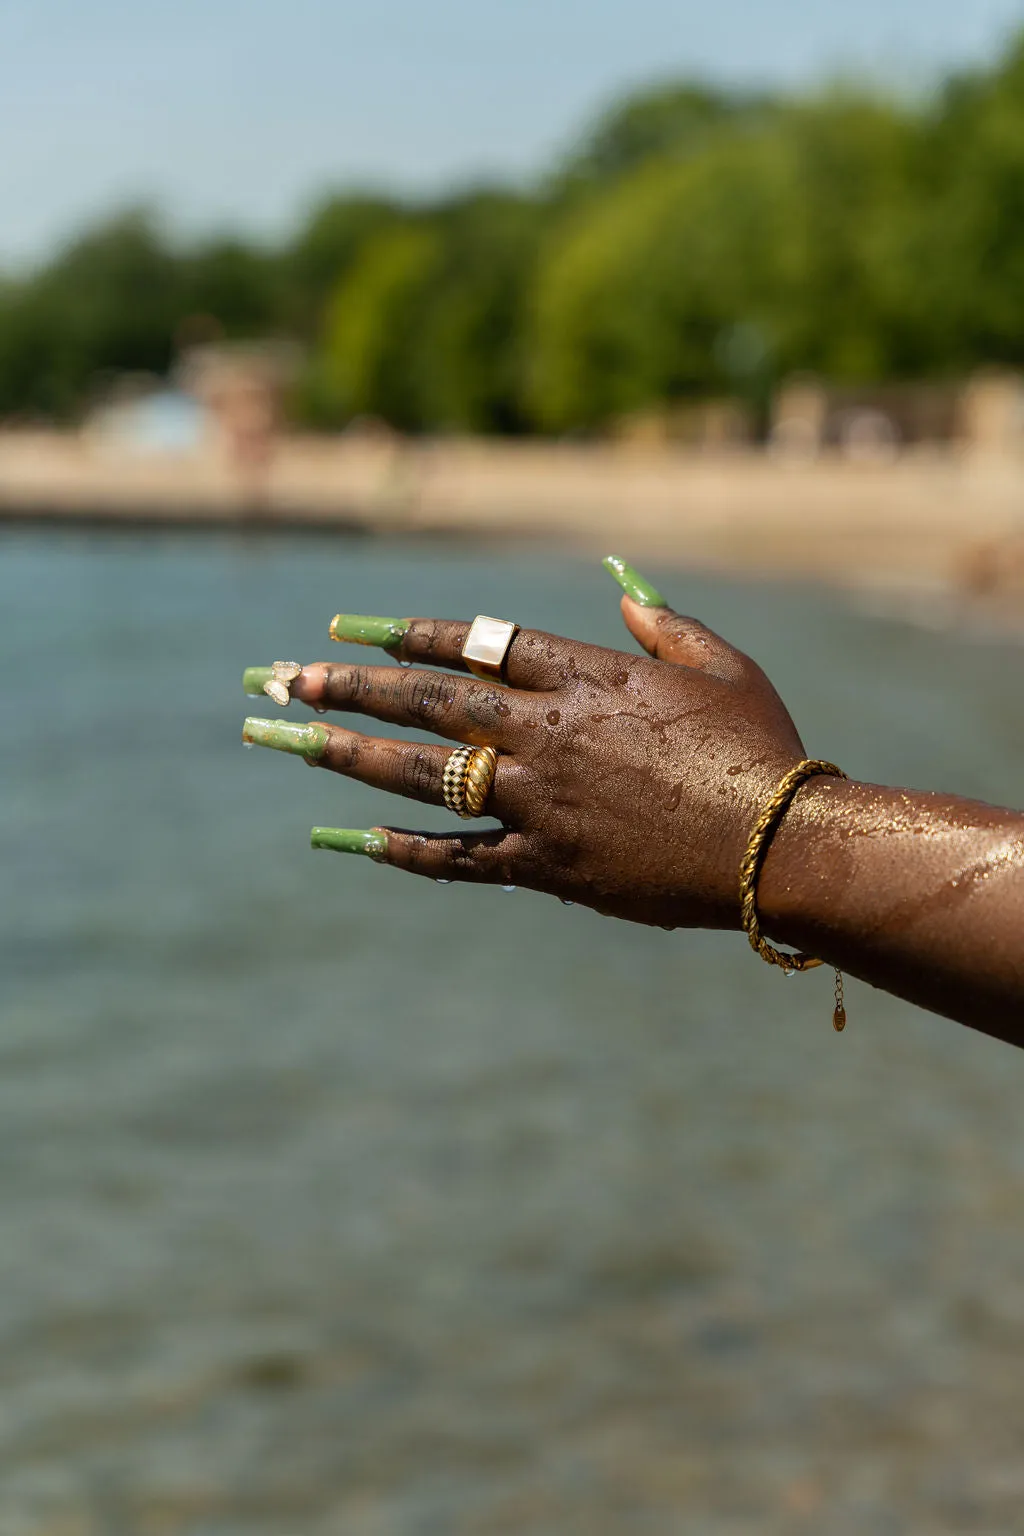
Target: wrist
804, 872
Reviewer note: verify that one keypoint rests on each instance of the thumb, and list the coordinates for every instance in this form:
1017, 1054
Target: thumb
664, 633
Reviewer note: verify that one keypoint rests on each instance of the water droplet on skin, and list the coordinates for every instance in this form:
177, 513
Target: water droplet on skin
440, 881
553, 717
508, 887
566, 902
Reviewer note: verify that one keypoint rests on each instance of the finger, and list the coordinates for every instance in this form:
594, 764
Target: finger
486, 858
533, 659
463, 709
674, 637
414, 769
669, 635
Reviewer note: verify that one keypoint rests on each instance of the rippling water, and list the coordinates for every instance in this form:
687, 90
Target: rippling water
337, 1202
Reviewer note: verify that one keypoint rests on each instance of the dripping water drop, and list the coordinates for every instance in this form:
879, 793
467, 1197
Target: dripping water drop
405, 663
248, 745
566, 902
439, 880
508, 887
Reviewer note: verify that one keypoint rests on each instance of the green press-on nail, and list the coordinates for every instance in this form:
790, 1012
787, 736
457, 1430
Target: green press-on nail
253, 678
633, 584
349, 840
308, 741
368, 629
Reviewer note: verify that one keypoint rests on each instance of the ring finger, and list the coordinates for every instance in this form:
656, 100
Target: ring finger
414, 769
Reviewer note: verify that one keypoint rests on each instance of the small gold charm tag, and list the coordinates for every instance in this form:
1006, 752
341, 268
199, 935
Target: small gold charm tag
839, 1019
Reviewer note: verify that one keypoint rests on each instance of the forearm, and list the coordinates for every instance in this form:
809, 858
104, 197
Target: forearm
922, 894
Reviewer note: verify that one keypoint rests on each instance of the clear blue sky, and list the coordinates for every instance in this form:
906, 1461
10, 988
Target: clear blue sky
238, 112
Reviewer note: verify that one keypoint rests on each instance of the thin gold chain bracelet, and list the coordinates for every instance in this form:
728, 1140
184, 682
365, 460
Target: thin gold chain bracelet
750, 868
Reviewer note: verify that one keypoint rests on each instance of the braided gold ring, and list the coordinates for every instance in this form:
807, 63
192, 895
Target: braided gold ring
479, 778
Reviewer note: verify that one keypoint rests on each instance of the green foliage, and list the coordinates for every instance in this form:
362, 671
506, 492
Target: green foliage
698, 242
107, 302
665, 122
325, 248
465, 353
975, 220
238, 288
424, 328
640, 287
370, 349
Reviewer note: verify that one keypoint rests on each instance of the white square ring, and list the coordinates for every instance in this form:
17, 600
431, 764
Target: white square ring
486, 645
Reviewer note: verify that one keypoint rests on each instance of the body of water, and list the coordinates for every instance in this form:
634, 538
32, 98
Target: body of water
333, 1201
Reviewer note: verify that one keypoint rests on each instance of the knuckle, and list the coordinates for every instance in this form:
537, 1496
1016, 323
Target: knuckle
485, 705
346, 749
418, 775
409, 851
471, 859
426, 696
344, 683
425, 637
680, 632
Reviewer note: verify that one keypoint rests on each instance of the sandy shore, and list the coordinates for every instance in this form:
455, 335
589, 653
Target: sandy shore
916, 523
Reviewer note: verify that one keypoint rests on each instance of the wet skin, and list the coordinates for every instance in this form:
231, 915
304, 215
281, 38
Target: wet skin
630, 784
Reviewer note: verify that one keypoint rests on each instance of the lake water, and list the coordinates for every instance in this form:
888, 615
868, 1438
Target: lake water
337, 1202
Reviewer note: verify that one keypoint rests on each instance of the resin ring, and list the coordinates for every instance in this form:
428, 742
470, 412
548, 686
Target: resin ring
486, 645
453, 780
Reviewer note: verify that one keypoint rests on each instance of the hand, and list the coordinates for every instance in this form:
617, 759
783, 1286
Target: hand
625, 783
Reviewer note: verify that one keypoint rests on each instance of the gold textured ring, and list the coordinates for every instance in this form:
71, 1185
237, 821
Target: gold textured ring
453, 781
486, 645
479, 778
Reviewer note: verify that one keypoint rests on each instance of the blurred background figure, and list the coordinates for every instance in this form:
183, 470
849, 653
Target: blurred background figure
337, 1202
240, 388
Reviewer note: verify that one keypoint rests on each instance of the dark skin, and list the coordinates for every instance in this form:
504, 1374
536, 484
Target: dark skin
630, 784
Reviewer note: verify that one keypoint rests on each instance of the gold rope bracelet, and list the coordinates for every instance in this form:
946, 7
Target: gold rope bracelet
750, 868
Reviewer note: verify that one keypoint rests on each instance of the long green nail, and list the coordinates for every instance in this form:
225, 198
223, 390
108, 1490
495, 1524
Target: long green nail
253, 678
348, 840
633, 584
367, 629
308, 741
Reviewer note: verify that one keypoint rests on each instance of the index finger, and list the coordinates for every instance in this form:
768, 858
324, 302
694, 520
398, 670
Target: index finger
534, 660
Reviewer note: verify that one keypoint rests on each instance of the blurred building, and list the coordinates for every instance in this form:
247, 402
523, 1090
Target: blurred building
983, 414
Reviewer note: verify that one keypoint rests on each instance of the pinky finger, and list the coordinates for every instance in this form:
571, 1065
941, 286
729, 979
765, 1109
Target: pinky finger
487, 858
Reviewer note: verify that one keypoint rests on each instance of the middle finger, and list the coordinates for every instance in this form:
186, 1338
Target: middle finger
460, 708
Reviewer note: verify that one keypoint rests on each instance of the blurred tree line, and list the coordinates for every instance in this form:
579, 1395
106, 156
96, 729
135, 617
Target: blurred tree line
697, 243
